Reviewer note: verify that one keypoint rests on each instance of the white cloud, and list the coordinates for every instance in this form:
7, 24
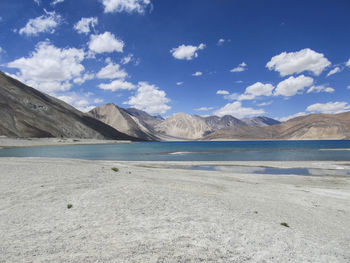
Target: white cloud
105, 42
84, 24
241, 67
256, 90
49, 68
232, 96
297, 62
179, 83
80, 80
118, 84
292, 116
150, 99
333, 71
204, 109
97, 101
42, 24
348, 87
239, 81
292, 86
330, 107
321, 88
79, 101
222, 92
265, 103
127, 59
220, 42
37, 2
197, 74
128, 6
186, 52
348, 63
55, 2
235, 109
111, 71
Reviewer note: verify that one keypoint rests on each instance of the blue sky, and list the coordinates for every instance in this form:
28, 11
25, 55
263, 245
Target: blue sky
238, 57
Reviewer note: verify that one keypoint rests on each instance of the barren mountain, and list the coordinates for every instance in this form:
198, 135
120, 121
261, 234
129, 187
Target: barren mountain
313, 127
120, 119
261, 121
26, 112
144, 118
310, 127
186, 126
182, 125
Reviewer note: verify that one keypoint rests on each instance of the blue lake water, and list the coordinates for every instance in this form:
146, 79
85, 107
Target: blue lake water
195, 151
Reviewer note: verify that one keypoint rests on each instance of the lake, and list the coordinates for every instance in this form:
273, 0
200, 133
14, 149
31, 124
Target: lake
195, 151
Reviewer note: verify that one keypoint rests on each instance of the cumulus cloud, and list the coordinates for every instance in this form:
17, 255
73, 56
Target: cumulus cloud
118, 84
220, 42
186, 52
333, 71
84, 24
256, 90
127, 59
179, 83
149, 98
348, 63
204, 109
49, 68
293, 86
329, 107
237, 110
82, 102
55, 2
297, 62
105, 42
265, 103
87, 76
222, 92
43, 24
241, 67
111, 71
129, 6
197, 74
37, 2
321, 88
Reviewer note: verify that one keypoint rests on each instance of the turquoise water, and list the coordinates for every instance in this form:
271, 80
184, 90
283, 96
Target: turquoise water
194, 151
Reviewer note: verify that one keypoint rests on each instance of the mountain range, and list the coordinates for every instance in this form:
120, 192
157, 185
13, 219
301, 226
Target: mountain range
26, 112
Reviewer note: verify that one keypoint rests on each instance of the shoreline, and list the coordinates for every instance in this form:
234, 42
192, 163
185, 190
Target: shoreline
146, 212
6, 142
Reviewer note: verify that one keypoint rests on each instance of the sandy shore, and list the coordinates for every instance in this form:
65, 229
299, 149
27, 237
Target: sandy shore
148, 213
30, 142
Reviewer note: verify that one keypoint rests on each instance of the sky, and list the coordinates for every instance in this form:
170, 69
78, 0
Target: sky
243, 58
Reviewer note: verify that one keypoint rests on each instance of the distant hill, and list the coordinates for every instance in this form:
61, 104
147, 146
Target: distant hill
27, 112
260, 121
122, 120
310, 127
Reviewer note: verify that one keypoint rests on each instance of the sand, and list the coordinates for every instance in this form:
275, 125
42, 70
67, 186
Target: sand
32, 142
148, 213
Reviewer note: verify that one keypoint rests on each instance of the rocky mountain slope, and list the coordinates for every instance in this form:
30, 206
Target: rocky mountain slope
26, 112
310, 127
122, 120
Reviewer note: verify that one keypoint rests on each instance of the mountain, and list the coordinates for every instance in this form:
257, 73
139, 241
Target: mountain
144, 118
122, 120
310, 127
27, 112
260, 121
191, 127
313, 127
